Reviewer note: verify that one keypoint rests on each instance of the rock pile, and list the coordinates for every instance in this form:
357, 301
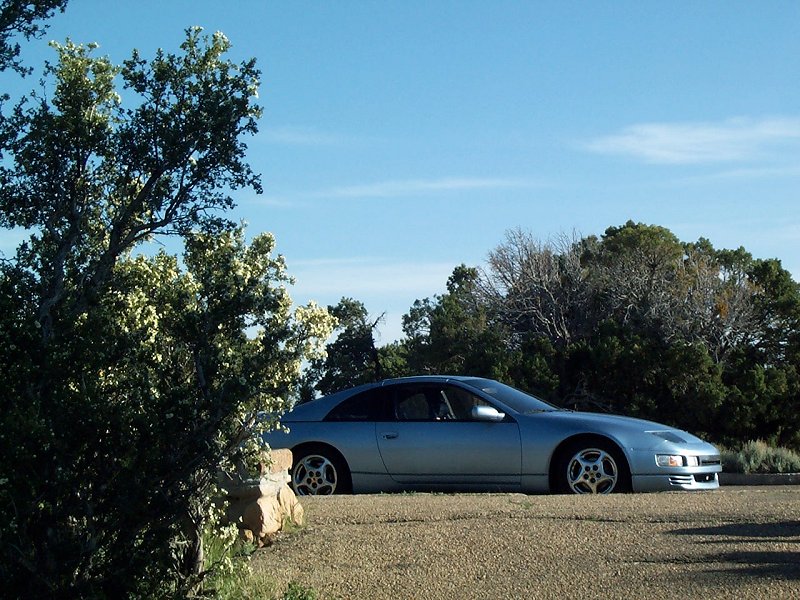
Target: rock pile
263, 506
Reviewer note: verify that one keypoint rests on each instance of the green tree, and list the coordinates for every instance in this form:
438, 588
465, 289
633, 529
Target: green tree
538, 289
777, 300
634, 275
763, 373
129, 381
22, 17
453, 333
351, 359
636, 322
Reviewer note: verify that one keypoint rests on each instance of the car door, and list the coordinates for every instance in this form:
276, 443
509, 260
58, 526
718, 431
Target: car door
435, 439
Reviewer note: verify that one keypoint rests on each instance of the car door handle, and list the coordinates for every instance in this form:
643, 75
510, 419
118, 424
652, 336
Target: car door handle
389, 435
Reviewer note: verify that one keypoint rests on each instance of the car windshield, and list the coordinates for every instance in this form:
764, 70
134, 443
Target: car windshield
515, 399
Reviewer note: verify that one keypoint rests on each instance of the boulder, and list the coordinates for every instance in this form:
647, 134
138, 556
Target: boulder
263, 506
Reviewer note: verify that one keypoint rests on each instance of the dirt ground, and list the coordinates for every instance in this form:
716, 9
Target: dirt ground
732, 543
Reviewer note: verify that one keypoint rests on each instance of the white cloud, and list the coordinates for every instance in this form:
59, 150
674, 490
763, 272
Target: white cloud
384, 286
390, 189
770, 172
387, 189
361, 277
301, 136
688, 143
272, 201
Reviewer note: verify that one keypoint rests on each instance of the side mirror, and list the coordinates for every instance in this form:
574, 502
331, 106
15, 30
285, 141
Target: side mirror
487, 413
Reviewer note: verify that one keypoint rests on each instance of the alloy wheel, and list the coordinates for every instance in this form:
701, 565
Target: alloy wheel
314, 475
592, 471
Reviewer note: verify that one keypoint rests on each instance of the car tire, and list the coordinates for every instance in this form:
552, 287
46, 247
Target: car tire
319, 470
592, 466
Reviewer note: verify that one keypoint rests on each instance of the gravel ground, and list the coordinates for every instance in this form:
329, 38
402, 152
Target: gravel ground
732, 543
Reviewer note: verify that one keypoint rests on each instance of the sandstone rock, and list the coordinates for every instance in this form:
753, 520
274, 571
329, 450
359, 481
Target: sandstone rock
263, 517
262, 506
291, 506
280, 461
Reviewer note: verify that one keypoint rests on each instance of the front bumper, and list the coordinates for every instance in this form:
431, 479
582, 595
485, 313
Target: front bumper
675, 482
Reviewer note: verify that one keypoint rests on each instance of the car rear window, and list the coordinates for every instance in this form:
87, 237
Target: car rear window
366, 406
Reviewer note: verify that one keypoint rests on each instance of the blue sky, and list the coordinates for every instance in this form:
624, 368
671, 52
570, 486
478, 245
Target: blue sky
401, 139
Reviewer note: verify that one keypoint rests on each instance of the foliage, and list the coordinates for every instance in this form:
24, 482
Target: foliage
297, 591
635, 322
238, 580
451, 334
22, 17
350, 359
538, 288
227, 560
243, 582
759, 457
129, 380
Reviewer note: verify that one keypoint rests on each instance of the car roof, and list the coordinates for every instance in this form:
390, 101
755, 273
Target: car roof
317, 409
425, 378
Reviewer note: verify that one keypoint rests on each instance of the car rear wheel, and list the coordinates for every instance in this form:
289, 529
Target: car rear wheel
592, 467
319, 471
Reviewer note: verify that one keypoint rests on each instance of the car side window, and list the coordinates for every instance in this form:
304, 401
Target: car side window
434, 403
366, 406
461, 402
411, 404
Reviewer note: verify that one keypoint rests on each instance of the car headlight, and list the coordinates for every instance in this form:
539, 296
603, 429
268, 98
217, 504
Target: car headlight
676, 460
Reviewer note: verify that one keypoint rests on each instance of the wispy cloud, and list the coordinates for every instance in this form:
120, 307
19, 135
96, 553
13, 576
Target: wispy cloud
327, 280
746, 173
693, 143
391, 189
385, 286
302, 136
272, 201
388, 189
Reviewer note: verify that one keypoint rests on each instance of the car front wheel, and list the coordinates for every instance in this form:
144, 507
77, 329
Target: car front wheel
319, 471
592, 468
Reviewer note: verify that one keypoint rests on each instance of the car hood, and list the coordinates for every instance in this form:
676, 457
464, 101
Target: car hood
629, 428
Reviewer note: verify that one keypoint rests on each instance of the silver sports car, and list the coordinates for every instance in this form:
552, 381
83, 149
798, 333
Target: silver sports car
470, 434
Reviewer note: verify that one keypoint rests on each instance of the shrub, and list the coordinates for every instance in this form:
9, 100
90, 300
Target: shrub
297, 591
759, 457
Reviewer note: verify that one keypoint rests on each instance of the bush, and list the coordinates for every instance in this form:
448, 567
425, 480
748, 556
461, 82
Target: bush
251, 584
297, 591
759, 457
